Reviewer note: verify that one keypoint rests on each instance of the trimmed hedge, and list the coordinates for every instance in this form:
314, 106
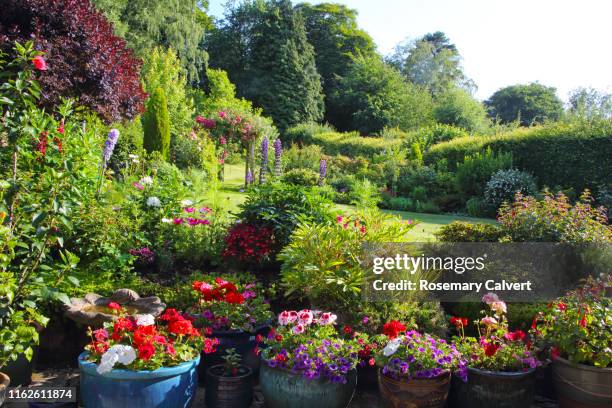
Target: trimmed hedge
576, 154
352, 144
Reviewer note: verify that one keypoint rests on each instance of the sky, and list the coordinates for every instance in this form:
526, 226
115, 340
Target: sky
560, 43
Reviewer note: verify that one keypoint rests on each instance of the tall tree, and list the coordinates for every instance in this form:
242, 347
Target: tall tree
531, 103
263, 47
431, 61
457, 107
333, 32
156, 124
176, 24
590, 103
373, 95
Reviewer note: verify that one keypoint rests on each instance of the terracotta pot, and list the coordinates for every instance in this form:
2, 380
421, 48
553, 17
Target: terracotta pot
228, 391
4, 384
415, 393
582, 386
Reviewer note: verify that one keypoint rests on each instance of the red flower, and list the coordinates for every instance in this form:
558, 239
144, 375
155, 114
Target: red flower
171, 315
170, 349
60, 128
490, 349
393, 328
348, 330
180, 327
209, 345
554, 352
371, 362
459, 321
583, 321
278, 338
39, 63
515, 336
114, 305
234, 298
146, 351
561, 306
144, 335
197, 285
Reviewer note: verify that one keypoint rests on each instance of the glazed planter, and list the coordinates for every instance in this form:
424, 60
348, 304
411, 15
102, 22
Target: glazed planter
167, 387
582, 386
414, 393
282, 388
486, 389
4, 384
244, 344
228, 391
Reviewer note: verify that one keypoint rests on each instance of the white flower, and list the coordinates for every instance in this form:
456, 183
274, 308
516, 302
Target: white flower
153, 202
392, 347
145, 320
167, 221
297, 329
146, 181
108, 361
305, 317
499, 307
125, 354
186, 203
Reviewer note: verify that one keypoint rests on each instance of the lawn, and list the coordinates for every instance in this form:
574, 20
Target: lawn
427, 224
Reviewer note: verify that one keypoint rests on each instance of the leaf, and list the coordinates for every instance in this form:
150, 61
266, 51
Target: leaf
38, 218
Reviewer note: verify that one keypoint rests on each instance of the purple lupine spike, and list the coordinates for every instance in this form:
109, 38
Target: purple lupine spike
264, 159
322, 171
278, 151
109, 145
249, 177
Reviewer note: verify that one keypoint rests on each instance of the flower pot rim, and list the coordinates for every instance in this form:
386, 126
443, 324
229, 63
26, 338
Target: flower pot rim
445, 373
566, 362
4, 379
506, 374
123, 374
233, 377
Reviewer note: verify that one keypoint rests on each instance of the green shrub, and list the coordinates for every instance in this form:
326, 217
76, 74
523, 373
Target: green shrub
352, 144
128, 150
504, 184
301, 177
476, 169
304, 133
397, 203
430, 135
460, 231
478, 207
573, 154
306, 157
156, 124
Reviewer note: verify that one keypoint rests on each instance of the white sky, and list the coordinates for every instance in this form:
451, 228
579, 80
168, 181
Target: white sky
560, 43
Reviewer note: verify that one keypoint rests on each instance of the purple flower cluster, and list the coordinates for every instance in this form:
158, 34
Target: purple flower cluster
278, 151
144, 255
264, 159
322, 170
109, 145
249, 177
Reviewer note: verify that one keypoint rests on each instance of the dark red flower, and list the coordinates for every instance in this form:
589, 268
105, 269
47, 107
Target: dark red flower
561, 306
234, 298
517, 335
459, 321
393, 328
171, 315
490, 349
146, 351
348, 330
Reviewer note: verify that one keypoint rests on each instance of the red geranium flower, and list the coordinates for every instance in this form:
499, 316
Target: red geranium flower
393, 328
490, 349
515, 336
234, 298
146, 351
170, 315
180, 327
114, 305
39, 63
459, 321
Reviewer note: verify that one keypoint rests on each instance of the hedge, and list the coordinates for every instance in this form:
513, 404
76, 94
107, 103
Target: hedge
576, 154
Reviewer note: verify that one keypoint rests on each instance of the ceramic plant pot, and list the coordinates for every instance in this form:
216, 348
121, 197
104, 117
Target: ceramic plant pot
582, 386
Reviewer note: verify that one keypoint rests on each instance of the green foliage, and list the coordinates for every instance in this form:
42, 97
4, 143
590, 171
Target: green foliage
590, 103
574, 154
459, 231
301, 177
430, 135
175, 24
129, 149
555, 219
415, 153
352, 144
220, 95
364, 194
458, 108
162, 69
373, 96
532, 103
336, 38
156, 124
282, 207
431, 61
304, 133
504, 184
476, 170
306, 157
478, 207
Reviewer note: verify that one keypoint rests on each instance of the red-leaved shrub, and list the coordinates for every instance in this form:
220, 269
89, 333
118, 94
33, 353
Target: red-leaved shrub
248, 243
84, 59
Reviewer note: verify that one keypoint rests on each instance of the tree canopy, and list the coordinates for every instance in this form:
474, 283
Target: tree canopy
529, 104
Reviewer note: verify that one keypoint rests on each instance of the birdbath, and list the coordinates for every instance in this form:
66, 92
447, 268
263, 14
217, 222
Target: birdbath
93, 310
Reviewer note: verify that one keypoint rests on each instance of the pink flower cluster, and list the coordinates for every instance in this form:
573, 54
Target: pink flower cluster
304, 318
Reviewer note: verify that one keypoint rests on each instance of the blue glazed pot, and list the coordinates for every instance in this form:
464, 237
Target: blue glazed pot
167, 387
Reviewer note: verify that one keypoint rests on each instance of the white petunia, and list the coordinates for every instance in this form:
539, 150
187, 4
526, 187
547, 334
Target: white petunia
146, 181
153, 202
186, 203
145, 320
125, 354
392, 347
167, 221
107, 361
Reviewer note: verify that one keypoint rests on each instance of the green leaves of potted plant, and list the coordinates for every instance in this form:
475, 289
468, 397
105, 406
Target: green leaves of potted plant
416, 368
577, 329
229, 385
500, 362
307, 364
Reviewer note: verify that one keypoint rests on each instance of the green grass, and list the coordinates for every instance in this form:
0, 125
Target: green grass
426, 224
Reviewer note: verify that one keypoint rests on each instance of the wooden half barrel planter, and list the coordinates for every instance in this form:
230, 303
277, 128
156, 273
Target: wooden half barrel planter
5, 381
582, 386
222, 391
283, 388
166, 387
414, 393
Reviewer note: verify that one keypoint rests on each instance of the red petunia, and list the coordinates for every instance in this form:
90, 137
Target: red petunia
347, 330
39, 63
393, 328
561, 306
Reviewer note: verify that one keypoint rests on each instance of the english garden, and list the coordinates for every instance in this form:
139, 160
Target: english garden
185, 204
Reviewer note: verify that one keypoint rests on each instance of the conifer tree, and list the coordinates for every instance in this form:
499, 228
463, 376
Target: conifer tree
156, 124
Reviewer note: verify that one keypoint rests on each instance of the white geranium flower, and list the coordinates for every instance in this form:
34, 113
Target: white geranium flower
145, 320
146, 181
153, 202
186, 203
392, 347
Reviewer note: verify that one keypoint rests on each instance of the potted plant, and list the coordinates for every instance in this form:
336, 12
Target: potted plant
138, 361
415, 369
233, 312
229, 385
577, 329
501, 364
307, 364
